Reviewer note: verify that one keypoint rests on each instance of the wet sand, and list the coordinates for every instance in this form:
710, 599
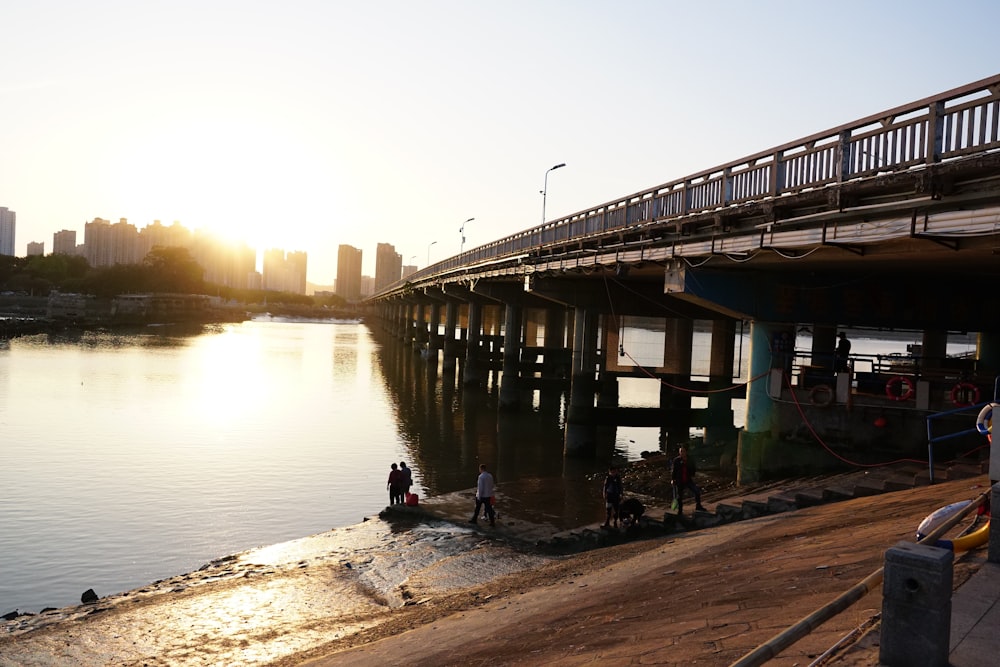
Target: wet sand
437, 591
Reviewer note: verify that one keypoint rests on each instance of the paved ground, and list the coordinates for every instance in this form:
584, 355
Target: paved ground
707, 597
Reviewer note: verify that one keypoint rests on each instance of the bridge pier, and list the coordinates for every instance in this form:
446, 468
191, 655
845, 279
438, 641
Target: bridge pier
719, 426
409, 326
450, 344
581, 435
420, 329
757, 443
472, 375
510, 390
675, 397
433, 332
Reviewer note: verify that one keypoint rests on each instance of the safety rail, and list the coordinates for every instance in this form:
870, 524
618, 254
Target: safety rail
932, 439
959, 122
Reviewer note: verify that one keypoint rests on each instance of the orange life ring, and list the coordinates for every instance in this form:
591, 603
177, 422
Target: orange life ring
963, 390
905, 391
821, 395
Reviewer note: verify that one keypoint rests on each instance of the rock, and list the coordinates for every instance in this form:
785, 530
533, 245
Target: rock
10, 616
89, 596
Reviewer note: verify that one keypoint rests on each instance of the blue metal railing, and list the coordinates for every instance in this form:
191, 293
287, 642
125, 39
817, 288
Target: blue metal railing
932, 439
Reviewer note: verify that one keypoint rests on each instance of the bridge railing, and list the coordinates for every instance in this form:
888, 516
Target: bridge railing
953, 124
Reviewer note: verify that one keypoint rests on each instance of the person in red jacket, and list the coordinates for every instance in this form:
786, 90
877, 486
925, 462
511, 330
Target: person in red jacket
682, 479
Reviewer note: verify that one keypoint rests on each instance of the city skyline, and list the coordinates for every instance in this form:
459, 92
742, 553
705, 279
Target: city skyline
312, 125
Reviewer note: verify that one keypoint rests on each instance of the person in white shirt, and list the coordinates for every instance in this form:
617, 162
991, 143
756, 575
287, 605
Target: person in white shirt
484, 496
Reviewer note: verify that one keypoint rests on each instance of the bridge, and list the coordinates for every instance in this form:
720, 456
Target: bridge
889, 222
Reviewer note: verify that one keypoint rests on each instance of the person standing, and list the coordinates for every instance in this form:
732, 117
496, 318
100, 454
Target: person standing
842, 353
395, 485
682, 479
612, 496
484, 495
407, 479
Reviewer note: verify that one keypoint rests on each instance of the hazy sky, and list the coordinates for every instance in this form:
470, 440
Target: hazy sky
304, 125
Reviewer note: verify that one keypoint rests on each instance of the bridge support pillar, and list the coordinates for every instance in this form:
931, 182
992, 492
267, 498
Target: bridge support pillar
449, 346
510, 390
719, 427
408, 325
420, 330
824, 342
472, 376
581, 435
607, 385
757, 443
433, 332
674, 395
988, 354
555, 364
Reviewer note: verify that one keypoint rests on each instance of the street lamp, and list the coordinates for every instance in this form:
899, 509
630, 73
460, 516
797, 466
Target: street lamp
429, 252
461, 230
545, 189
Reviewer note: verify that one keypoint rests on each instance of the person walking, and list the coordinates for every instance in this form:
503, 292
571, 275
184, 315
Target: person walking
484, 496
612, 493
682, 479
395, 485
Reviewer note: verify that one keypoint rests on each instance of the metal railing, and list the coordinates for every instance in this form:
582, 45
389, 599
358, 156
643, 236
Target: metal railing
959, 122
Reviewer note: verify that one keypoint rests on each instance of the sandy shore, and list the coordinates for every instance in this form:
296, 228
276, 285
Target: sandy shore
476, 596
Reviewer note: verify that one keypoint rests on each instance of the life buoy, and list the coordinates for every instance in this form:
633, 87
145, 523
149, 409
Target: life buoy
963, 390
821, 395
984, 423
899, 388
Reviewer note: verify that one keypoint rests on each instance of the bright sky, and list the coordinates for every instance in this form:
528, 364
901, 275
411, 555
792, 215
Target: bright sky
306, 124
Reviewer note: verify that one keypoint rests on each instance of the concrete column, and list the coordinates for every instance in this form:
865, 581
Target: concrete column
720, 375
607, 385
555, 364
408, 325
756, 439
934, 348
473, 374
916, 605
988, 354
510, 382
581, 437
993, 555
449, 347
420, 330
823, 344
433, 331
677, 340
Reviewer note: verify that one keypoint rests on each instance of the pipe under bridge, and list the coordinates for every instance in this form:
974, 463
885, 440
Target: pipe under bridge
889, 222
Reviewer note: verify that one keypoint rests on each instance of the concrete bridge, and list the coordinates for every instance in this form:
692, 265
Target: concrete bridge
887, 223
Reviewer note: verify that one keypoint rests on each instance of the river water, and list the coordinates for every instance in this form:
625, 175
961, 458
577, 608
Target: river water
129, 458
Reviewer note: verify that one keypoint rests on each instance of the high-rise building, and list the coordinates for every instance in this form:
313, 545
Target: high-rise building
35, 248
7, 220
388, 265
107, 244
349, 272
408, 270
64, 242
285, 274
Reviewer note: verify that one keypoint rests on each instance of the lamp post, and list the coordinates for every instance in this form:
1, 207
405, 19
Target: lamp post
545, 188
429, 252
461, 230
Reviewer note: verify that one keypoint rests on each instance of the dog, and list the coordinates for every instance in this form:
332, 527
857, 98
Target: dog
631, 511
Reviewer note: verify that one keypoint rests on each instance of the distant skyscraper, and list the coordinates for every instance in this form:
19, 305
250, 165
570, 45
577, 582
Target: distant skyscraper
64, 242
408, 270
349, 272
7, 219
108, 245
35, 248
388, 265
285, 274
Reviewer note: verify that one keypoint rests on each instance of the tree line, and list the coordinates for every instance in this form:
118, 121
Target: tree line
164, 269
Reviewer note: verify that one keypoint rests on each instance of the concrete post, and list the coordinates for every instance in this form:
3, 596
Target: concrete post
677, 341
473, 374
408, 326
433, 332
824, 342
755, 438
607, 384
916, 606
988, 354
450, 322
994, 546
581, 436
420, 331
720, 375
510, 382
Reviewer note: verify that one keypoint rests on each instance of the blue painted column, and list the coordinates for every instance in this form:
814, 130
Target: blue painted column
510, 382
756, 440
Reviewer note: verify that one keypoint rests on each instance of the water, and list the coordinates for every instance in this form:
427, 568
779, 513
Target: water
131, 458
